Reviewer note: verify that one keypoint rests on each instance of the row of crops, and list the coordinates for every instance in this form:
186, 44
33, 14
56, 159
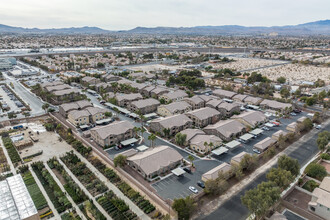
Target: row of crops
54, 192
115, 207
12, 152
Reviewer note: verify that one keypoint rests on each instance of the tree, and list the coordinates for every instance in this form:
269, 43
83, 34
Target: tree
249, 162
285, 93
180, 139
120, 160
316, 170
45, 107
308, 124
289, 164
152, 138
237, 171
191, 159
259, 200
282, 178
108, 114
184, 207
317, 117
281, 80
217, 186
162, 101
166, 132
323, 140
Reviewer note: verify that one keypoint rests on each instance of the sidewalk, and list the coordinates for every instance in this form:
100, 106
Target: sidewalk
112, 187
74, 205
98, 206
50, 204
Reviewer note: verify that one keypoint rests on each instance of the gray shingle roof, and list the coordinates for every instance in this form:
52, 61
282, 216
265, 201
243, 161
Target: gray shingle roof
204, 113
115, 128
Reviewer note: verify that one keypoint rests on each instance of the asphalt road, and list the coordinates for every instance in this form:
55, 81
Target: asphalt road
234, 209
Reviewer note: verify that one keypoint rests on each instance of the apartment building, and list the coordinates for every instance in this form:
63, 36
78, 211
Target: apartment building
123, 100
174, 108
227, 130
113, 133
196, 102
204, 116
174, 96
144, 106
175, 124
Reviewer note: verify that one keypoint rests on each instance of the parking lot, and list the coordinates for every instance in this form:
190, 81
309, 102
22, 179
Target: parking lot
178, 187
9, 99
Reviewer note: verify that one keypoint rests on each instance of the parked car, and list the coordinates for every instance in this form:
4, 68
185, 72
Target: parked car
265, 128
275, 123
297, 111
317, 126
256, 151
193, 189
293, 114
188, 170
201, 184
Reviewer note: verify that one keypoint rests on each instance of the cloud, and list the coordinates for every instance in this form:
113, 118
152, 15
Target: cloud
126, 14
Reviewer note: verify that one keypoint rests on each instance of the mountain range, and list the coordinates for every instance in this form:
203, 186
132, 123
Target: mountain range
312, 28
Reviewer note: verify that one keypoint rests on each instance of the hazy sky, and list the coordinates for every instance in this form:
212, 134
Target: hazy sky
126, 14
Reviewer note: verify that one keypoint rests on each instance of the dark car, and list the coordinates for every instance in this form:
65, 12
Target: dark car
296, 110
187, 169
201, 184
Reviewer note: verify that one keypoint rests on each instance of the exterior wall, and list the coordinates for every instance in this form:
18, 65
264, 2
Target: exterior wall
96, 117
207, 148
125, 102
112, 139
157, 127
164, 112
145, 110
152, 94
217, 133
80, 121
202, 123
320, 210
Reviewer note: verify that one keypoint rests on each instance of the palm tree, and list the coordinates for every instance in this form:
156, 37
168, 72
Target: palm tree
152, 138
45, 106
191, 159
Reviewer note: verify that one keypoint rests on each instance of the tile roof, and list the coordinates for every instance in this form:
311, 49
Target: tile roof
214, 173
204, 113
145, 102
200, 139
191, 132
171, 121
115, 128
251, 117
176, 106
227, 127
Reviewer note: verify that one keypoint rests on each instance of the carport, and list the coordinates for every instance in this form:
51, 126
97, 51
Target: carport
150, 116
133, 115
129, 141
84, 127
178, 171
142, 148
246, 137
256, 132
103, 121
233, 144
219, 151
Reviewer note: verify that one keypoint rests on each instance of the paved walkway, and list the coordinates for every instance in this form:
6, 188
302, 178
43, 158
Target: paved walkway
112, 187
11, 165
50, 204
85, 190
74, 205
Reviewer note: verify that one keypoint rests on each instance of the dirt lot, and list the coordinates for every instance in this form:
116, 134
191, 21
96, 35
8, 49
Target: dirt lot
299, 199
49, 143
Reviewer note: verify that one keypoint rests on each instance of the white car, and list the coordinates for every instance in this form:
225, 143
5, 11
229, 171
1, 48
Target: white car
193, 189
256, 151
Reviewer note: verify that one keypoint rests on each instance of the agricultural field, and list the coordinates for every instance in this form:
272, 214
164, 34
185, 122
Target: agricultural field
126, 189
4, 167
115, 207
72, 188
90, 211
84, 175
53, 191
12, 152
70, 216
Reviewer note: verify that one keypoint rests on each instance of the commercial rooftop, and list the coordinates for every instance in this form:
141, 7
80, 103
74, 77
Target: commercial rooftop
15, 200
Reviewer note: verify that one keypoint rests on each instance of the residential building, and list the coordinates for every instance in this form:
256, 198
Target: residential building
224, 93
15, 200
263, 145
113, 133
155, 161
87, 80
228, 109
66, 95
227, 130
320, 202
111, 78
250, 100
190, 133
96, 114
277, 134
57, 87
204, 116
79, 117
292, 127
196, 102
48, 84
174, 96
213, 103
301, 119
224, 169
174, 108
275, 105
65, 108
236, 160
158, 91
146, 91
175, 124
251, 118
103, 87
124, 99
144, 106
204, 143
239, 97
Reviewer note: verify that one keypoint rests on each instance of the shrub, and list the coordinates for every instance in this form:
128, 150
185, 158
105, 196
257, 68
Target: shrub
316, 171
325, 156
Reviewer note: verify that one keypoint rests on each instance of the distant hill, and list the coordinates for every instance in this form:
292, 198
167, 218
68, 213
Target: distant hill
311, 28
72, 30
